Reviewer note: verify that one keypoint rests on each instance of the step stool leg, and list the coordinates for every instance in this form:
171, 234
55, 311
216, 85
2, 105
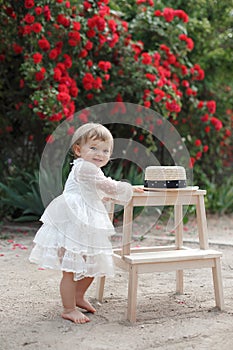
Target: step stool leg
218, 287
100, 288
180, 282
132, 294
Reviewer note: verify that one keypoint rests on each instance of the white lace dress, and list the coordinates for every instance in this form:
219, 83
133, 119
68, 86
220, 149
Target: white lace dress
76, 227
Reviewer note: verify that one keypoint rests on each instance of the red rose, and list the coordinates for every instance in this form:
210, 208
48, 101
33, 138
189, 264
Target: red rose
205, 148
192, 162
158, 13
112, 25
104, 65
168, 14
184, 69
63, 88
17, 49
198, 143
164, 48
216, 123
159, 95
173, 106
29, 4
44, 44
74, 91
39, 76
185, 83
37, 57
198, 155
114, 40
189, 41
61, 66
56, 117
47, 13
90, 96
29, 19
182, 15
211, 105
190, 44
74, 35
63, 97
83, 53
124, 25
53, 54
147, 104
38, 10
150, 77
68, 61
61, 19
57, 74
200, 105
88, 45
86, 5
228, 133
89, 63
90, 33
205, 118
36, 27
88, 81
76, 26
97, 84
190, 92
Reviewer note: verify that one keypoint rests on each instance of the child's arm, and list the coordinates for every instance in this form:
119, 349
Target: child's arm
138, 189
105, 186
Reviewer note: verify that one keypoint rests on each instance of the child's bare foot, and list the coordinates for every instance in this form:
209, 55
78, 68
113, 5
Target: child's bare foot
84, 304
75, 316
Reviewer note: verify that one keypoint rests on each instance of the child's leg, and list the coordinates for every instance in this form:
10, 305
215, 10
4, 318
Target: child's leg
81, 288
68, 290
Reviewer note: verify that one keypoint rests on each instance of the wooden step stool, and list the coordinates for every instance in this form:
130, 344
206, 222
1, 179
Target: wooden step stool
167, 258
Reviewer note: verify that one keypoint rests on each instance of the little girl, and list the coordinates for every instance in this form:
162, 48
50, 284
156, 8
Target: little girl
74, 237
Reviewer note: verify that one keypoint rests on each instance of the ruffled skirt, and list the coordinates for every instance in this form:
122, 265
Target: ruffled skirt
77, 243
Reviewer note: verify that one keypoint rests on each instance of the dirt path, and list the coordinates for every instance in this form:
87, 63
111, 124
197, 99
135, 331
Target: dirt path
30, 302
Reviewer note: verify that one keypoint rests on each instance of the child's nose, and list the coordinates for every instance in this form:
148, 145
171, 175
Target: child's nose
99, 152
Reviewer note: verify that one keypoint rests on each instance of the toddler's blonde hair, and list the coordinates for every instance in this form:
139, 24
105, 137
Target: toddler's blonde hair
91, 131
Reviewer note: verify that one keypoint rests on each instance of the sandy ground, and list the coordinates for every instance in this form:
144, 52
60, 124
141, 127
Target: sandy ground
30, 303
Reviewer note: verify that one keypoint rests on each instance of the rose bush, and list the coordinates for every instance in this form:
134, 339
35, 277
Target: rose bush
57, 59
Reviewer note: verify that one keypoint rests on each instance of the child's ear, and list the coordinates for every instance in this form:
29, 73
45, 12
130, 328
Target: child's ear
76, 150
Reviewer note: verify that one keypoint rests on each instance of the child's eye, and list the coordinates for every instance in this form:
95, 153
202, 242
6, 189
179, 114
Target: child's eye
106, 151
93, 148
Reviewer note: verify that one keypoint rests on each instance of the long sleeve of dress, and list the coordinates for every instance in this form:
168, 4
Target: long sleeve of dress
92, 177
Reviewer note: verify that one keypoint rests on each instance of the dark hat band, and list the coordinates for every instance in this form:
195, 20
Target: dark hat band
165, 184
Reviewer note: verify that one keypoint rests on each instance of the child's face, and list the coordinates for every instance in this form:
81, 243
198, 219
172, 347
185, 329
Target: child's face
94, 151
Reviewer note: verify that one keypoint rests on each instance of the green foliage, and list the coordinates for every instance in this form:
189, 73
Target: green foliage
22, 192
220, 197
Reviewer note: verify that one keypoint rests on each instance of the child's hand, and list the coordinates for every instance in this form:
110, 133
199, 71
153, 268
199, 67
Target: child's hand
138, 189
